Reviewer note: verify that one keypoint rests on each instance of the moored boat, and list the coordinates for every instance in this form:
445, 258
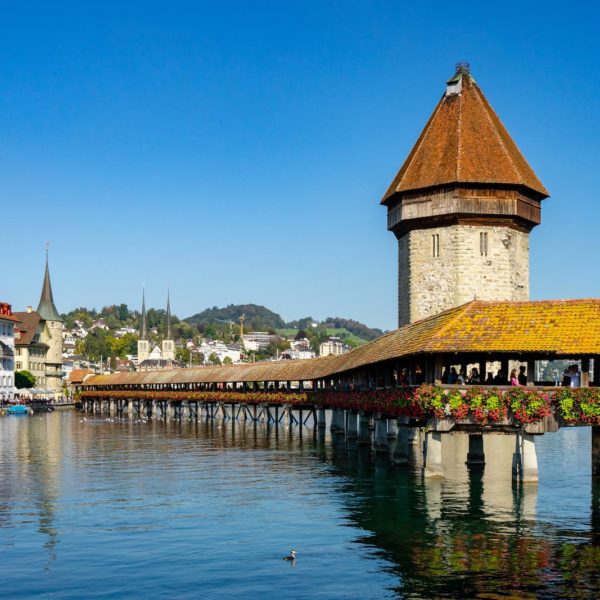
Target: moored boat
18, 409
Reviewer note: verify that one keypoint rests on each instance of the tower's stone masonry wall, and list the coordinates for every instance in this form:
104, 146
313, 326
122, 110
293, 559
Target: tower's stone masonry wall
429, 284
54, 356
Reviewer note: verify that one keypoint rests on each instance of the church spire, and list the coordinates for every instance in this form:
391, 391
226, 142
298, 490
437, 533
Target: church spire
168, 330
143, 324
46, 307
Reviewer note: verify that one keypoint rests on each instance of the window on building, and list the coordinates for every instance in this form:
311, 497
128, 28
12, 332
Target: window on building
483, 243
435, 238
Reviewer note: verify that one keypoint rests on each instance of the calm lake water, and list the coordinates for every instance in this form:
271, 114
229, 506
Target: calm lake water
123, 509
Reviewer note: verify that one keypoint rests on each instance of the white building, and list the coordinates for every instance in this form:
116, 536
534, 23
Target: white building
220, 350
333, 345
297, 354
69, 344
100, 324
119, 333
258, 340
7, 352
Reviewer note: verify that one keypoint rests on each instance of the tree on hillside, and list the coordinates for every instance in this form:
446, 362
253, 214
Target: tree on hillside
183, 354
358, 329
95, 344
304, 323
24, 379
214, 359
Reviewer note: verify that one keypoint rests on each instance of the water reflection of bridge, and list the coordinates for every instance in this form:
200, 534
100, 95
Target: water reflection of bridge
396, 437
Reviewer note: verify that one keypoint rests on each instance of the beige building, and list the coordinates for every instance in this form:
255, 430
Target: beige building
462, 207
333, 345
38, 341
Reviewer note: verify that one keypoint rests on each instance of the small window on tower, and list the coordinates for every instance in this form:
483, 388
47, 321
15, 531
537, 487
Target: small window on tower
436, 244
483, 243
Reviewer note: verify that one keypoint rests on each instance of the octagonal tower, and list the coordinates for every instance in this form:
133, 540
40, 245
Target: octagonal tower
462, 207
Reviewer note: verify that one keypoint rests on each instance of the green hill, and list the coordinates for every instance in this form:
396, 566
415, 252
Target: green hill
258, 318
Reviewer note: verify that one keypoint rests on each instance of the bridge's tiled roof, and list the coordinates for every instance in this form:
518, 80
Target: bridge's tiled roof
551, 328
464, 141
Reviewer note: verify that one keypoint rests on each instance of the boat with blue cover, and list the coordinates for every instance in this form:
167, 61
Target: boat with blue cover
18, 409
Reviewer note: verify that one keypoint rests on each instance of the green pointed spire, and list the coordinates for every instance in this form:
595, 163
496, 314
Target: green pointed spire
46, 307
168, 331
144, 323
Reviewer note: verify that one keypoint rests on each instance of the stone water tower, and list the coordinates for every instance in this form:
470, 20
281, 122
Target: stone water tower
462, 207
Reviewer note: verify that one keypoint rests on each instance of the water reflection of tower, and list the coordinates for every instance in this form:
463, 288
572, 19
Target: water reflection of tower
40, 449
435, 531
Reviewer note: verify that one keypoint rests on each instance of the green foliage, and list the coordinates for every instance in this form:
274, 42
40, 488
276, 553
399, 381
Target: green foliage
24, 379
579, 405
227, 360
96, 344
213, 359
273, 349
358, 329
183, 354
79, 314
304, 323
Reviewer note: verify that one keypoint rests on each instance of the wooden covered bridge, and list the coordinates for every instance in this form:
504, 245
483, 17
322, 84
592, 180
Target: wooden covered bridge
395, 383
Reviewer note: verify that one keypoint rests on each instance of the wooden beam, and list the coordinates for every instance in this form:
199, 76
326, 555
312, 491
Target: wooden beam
585, 372
530, 371
438, 367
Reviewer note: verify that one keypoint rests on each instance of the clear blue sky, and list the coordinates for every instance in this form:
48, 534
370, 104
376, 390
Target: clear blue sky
237, 151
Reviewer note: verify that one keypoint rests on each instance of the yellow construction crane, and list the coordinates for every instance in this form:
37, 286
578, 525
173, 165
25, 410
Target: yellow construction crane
242, 319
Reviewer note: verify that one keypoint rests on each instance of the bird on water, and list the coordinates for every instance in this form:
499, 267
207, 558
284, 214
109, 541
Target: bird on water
290, 556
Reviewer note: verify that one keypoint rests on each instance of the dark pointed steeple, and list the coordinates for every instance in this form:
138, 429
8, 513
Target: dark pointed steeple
168, 331
46, 307
144, 324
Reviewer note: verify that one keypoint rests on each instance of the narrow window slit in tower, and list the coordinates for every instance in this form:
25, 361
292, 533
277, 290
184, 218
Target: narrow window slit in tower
436, 244
483, 243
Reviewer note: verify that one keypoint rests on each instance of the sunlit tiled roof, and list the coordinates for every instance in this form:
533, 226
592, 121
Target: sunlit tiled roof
464, 141
551, 328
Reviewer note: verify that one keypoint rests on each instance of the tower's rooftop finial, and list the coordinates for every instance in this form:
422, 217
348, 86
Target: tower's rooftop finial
46, 307
463, 67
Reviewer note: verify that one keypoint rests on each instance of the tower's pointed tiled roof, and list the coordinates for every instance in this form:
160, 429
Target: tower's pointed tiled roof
168, 330
46, 308
465, 142
144, 323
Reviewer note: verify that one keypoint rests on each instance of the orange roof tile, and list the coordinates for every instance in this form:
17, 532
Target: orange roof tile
79, 375
465, 142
